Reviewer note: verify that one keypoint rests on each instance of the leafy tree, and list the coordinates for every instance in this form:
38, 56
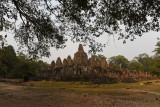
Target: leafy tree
17, 66
3, 41
134, 65
155, 68
145, 61
99, 56
141, 58
45, 25
157, 50
25, 68
7, 59
3, 70
42, 64
120, 61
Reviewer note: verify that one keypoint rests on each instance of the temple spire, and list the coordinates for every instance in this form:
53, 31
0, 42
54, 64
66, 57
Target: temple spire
80, 47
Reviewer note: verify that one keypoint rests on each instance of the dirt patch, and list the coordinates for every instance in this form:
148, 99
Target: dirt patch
28, 96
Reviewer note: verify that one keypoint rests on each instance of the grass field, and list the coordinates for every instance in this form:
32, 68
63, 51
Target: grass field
78, 94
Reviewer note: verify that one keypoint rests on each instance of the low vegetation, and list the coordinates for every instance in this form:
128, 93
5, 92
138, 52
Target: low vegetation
71, 94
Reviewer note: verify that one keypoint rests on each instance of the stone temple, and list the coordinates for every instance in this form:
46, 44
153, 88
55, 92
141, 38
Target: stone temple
80, 68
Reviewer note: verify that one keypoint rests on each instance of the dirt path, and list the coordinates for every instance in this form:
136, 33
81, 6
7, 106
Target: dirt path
148, 92
23, 96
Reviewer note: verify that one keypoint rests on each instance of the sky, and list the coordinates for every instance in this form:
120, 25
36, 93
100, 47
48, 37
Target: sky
144, 44
114, 47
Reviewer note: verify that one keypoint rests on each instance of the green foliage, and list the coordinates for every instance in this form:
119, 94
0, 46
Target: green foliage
157, 50
25, 69
3, 70
41, 64
141, 58
17, 66
7, 60
155, 68
134, 65
145, 61
99, 56
117, 67
47, 23
120, 61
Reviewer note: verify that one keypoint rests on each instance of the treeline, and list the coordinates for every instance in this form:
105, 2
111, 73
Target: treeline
143, 62
140, 63
18, 66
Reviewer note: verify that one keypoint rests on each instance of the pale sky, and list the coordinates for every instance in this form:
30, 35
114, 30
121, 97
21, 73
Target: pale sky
144, 44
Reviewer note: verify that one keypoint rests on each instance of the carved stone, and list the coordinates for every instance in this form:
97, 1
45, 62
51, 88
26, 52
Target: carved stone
58, 63
97, 63
80, 57
65, 64
103, 63
92, 61
111, 65
81, 67
69, 61
52, 65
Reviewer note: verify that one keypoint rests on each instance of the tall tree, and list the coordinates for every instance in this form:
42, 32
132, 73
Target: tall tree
145, 61
25, 68
155, 68
49, 23
120, 61
157, 50
7, 60
134, 65
99, 56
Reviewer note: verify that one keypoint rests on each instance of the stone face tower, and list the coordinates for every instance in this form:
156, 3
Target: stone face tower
81, 68
52, 65
58, 63
92, 61
65, 64
69, 61
103, 63
80, 57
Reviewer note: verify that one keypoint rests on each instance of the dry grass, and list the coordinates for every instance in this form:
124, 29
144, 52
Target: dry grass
71, 94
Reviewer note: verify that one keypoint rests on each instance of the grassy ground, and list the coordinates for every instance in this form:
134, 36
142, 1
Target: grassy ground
77, 94
87, 87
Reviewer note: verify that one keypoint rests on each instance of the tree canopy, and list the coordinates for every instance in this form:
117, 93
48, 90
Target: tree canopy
157, 50
49, 23
18, 66
120, 61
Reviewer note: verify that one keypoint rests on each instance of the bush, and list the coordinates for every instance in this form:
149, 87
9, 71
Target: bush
25, 69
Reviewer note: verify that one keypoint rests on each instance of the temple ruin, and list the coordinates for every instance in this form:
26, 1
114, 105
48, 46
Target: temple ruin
80, 68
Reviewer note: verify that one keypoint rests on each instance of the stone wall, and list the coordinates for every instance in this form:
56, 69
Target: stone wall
94, 69
80, 57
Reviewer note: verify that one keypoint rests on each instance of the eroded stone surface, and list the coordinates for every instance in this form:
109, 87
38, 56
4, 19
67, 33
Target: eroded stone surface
80, 57
69, 61
93, 69
92, 61
103, 63
58, 63
52, 65
111, 65
97, 63
65, 64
